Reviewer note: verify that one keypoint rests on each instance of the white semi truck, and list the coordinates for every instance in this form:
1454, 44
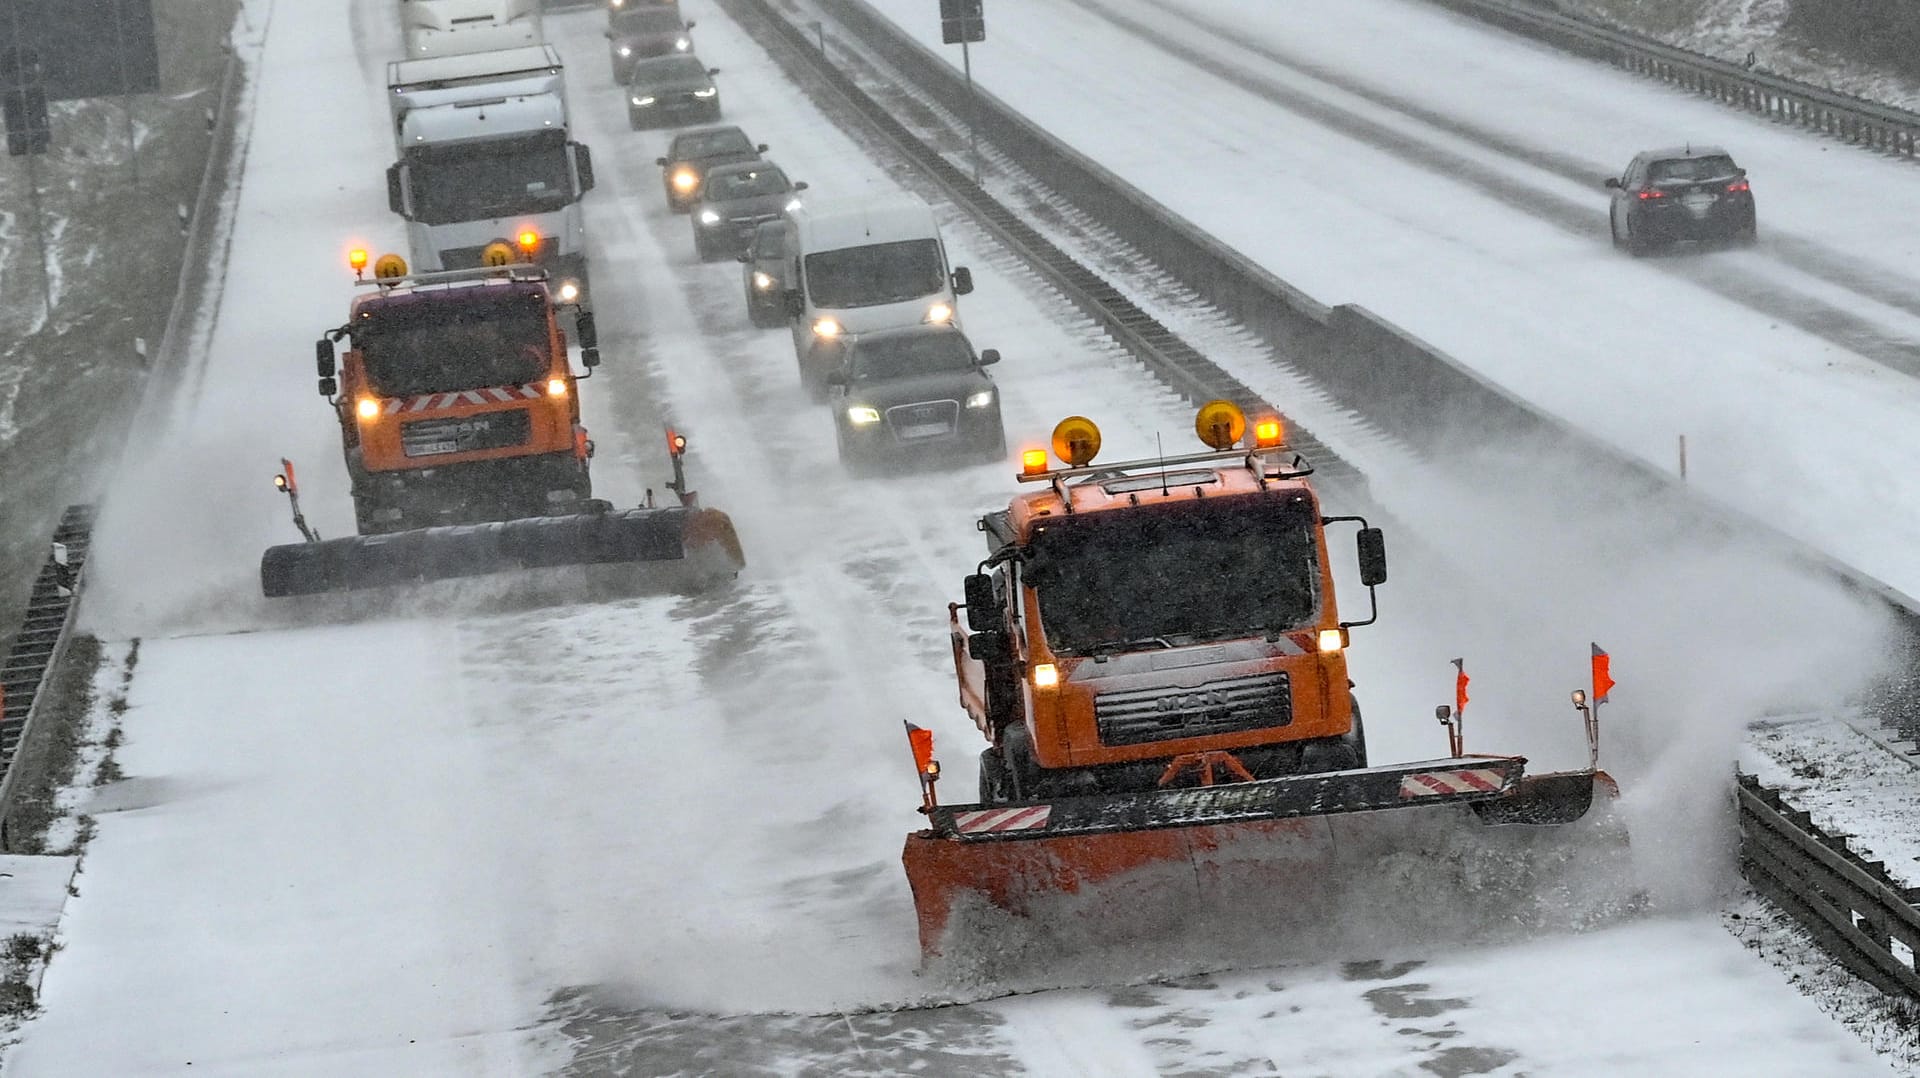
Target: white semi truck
484, 156
451, 27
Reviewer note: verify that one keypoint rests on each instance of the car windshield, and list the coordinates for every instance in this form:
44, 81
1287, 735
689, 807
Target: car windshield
710, 144
1684, 169
498, 178
670, 69
657, 20
1177, 573
876, 274
442, 346
744, 183
909, 354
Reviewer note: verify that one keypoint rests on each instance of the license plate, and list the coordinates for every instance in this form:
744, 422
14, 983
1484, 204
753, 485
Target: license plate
923, 430
428, 449
1697, 203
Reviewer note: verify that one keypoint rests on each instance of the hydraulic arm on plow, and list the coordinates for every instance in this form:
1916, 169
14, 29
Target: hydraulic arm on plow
460, 423
1154, 654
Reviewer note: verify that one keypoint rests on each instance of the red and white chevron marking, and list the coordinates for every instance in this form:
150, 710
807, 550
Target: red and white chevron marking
429, 401
984, 821
1466, 780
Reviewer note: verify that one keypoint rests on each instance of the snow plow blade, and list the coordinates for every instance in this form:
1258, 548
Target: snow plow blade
1287, 840
701, 541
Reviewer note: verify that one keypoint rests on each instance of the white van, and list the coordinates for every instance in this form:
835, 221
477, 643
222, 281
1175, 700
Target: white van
452, 27
859, 267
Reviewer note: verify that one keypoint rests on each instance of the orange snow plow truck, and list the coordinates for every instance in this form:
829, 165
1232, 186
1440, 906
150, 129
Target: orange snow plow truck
1153, 652
459, 417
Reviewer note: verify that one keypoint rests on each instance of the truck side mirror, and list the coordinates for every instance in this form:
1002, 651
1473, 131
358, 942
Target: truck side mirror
983, 608
328, 387
323, 357
989, 356
962, 281
1373, 556
590, 358
988, 645
585, 331
582, 165
397, 190
796, 303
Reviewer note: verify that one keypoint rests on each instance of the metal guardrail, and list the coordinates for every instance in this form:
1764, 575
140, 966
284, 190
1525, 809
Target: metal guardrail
1842, 116
1851, 906
36, 652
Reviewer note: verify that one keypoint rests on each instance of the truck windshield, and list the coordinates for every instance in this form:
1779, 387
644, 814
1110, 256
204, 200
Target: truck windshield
436, 343
474, 181
1176, 573
875, 274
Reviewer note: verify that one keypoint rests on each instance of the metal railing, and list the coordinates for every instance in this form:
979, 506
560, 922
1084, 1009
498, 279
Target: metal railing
1842, 116
35, 656
1851, 906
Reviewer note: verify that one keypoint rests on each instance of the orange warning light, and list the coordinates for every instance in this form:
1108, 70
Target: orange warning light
1033, 461
529, 240
357, 258
1267, 433
676, 443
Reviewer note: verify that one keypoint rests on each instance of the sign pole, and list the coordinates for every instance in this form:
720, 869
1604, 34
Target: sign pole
973, 111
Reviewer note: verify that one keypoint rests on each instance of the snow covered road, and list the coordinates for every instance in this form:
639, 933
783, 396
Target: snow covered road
625, 834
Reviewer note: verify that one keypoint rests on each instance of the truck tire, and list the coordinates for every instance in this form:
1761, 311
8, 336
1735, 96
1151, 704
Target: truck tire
1024, 781
994, 786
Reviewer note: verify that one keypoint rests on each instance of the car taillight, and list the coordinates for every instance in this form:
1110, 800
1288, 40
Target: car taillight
1652, 193
1739, 185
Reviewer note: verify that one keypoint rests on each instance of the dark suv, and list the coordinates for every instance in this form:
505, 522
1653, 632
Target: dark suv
1687, 193
919, 391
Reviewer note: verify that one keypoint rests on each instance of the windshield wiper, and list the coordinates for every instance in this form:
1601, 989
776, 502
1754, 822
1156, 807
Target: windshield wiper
1101, 650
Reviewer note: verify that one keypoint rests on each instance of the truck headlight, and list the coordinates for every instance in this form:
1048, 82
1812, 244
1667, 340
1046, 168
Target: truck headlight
863, 416
762, 282
626, 51
569, 291
982, 399
368, 407
706, 93
709, 217
1045, 676
939, 312
643, 102
826, 327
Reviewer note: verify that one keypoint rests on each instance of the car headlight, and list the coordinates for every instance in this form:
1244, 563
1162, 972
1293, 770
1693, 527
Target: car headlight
826, 327
793, 205
685, 180
643, 102
939, 312
626, 51
982, 399
762, 282
706, 93
708, 217
862, 416
682, 45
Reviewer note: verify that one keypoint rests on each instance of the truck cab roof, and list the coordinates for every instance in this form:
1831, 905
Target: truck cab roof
441, 71
521, 114
1145, 483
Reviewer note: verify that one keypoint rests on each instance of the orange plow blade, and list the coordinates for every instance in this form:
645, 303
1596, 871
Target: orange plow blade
1294, 855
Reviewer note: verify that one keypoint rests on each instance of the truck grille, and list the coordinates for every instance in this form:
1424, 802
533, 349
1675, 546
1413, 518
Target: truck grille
1230, 705
488, 430
927, 419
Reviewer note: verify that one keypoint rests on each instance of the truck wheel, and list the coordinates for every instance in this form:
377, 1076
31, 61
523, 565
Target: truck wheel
1024, 780
994, 786
1357, 737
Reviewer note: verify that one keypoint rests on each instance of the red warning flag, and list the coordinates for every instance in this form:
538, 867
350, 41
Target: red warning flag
1602, 676
1460, 680
922, 741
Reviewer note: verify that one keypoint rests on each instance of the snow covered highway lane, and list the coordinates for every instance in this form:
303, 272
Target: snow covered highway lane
662, 834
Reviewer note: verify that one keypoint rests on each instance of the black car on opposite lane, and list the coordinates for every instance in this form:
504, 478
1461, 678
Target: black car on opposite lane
918, 392
692, 153
763, 273
638, 33
670, 91
1681, 193
735, 200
